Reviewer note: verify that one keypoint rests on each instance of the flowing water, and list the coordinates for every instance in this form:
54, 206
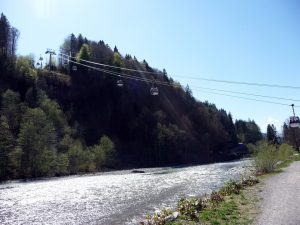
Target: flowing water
119, 197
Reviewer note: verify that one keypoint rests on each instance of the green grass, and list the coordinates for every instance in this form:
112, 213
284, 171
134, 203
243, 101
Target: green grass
235, 207
297, 158
225, 213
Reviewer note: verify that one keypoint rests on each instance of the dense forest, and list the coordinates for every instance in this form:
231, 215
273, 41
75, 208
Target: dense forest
64, 121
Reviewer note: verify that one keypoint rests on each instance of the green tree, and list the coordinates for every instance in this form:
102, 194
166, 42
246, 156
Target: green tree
87, 161
10, 108
7, 145
62, 164
272, 134
104, 153
56, 115
75, 156
25, 68
80, 42
109, 150
99, 156
116, 49
84, 53
37, 142
4, 34
247, 131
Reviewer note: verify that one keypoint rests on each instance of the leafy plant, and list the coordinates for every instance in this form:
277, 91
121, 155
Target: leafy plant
216, 198
160, 217
231, 187
250, 181
191, 207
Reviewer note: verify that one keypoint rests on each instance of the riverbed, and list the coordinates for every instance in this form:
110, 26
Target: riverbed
119, 197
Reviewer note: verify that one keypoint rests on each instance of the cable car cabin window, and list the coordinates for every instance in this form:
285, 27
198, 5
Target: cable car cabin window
120, 83
294, 121
154, 91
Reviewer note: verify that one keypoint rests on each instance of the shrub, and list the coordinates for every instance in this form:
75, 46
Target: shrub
190, 208
160, 217
285, 152
216, 198
266, 158
230, 187
250, 181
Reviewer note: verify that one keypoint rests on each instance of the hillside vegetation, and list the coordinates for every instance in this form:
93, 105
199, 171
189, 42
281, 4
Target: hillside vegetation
62, 121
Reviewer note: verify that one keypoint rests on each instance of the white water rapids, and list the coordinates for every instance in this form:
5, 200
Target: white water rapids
118, 197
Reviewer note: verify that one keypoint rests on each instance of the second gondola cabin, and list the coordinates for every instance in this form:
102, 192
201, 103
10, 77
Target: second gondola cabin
294, 121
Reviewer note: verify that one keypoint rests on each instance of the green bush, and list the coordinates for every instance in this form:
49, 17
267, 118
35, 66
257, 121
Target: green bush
216, 198
267, 156
190, 208
285, 152
231, 187
164, 216
248, 182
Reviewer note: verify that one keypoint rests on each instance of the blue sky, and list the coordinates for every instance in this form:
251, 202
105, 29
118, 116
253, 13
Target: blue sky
248, 41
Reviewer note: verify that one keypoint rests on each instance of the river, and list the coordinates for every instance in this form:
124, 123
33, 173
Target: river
119, 197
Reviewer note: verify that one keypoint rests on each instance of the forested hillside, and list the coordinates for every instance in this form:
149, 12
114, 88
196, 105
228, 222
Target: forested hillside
66, 121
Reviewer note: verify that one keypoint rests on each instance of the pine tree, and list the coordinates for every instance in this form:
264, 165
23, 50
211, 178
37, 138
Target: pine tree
4, 35
272, 134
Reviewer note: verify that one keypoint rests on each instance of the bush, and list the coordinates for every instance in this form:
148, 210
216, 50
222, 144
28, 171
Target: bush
285, 152
267, 156
190, 208
250, 181
216, 198
231, 187
160, 217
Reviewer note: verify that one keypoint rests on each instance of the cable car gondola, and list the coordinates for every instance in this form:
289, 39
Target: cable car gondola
74, 68
154, 90
294, 121
120, 83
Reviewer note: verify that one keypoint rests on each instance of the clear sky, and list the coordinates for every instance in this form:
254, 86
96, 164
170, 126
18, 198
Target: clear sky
248, 41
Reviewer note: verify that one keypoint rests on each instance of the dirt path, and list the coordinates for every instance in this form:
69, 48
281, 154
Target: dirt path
281, 198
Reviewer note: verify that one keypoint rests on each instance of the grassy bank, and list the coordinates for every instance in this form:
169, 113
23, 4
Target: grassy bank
236, 202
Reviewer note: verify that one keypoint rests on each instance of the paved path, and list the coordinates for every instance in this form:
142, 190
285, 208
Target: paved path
281, 198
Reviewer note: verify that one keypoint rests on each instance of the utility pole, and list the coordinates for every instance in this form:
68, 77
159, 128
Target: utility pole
50, 52
294, 130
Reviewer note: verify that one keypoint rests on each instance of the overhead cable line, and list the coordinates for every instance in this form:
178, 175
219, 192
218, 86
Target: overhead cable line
243, 83
123, 75
115, 67
175, 85
243, 93
195, 78
195, 87
251, 99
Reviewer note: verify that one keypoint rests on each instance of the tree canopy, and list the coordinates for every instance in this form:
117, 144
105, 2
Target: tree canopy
66, 122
